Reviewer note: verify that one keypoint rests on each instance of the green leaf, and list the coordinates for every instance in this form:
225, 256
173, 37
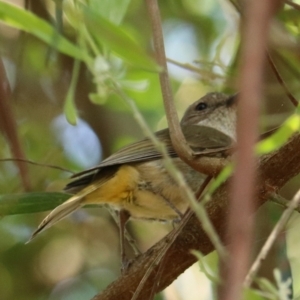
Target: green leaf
276, 140
19, 18
251, 294
206, 268
221, 178
69, 107
266, 285
30, 202
117, 40
97, 99
293, 246
113, 10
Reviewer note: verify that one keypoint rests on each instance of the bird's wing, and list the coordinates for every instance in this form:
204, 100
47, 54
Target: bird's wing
204, 140
136, 152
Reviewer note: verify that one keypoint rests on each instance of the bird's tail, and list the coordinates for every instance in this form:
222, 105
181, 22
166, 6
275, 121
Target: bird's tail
64, 210
72, 204
59, 213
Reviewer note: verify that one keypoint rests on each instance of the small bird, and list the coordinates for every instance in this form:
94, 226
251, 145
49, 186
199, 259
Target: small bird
134, 178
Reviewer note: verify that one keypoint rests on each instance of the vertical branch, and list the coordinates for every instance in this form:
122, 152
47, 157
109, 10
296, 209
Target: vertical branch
178, 140
9, 127
208, 166
240, 222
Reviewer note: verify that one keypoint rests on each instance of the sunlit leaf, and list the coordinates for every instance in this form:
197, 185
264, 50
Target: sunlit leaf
97, 99
19, 18
266, 285
251, 294
222, 177
116, 39
205, 265
276, 140
113, 10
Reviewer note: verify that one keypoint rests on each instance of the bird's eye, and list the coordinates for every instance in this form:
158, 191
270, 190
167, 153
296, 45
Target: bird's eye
201, 106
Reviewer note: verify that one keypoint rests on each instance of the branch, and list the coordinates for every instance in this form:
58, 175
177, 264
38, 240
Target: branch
255, 30
9, 127
281, 81
27, 161
208, 167
271, 239
275, 170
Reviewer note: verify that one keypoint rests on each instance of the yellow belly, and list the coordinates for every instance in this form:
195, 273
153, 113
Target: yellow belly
145, 190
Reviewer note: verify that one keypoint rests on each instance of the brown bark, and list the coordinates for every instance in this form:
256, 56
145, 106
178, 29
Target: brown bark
275, 170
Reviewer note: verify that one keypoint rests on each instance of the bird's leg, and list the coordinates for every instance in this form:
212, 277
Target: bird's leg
123, 218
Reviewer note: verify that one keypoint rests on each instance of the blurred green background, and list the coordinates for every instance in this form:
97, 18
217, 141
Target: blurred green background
80, 256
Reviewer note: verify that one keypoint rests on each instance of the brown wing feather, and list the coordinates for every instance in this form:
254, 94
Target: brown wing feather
204, 140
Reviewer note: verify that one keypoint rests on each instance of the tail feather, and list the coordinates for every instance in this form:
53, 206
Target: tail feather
72, 204
59, 213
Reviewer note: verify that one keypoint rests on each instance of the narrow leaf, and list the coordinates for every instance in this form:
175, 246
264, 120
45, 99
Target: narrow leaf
19, 18
69, 107
276, 140
30, 202
116, 39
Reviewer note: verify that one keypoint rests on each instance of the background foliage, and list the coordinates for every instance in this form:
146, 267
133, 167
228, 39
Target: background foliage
66, 64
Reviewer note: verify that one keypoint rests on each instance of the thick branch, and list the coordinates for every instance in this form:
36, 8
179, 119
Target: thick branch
275, 170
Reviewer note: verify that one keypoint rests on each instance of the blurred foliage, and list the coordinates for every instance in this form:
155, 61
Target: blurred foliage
71, 56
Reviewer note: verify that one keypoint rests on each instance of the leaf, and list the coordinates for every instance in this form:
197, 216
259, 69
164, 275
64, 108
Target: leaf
30, 202
24, 20
276, 140
292, 246
251, 294
116, 39
113, 10
266, 285
205, 266
221, 178
69, 107
97, 99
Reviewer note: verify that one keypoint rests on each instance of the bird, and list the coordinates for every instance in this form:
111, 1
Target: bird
135, 180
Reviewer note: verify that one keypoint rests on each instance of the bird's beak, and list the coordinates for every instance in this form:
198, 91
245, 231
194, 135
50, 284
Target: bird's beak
232, 100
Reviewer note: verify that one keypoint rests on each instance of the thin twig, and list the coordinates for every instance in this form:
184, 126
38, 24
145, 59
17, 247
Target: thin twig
192, 68
281, 81
36, 164
271, 239
275, 198
9, 126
